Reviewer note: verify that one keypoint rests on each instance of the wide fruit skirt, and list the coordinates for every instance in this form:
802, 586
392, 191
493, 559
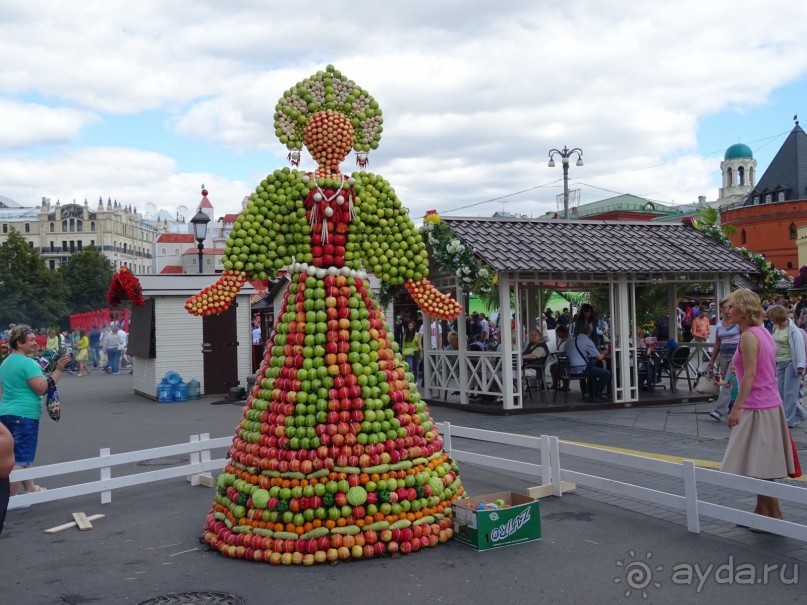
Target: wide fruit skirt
336, 456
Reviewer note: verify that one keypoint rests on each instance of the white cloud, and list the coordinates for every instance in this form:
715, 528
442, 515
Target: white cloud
130, 176
474, 93
26, 124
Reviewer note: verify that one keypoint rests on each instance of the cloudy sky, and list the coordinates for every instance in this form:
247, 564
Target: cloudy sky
145, 101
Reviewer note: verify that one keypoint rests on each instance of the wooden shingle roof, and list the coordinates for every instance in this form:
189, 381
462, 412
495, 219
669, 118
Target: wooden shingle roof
514, 244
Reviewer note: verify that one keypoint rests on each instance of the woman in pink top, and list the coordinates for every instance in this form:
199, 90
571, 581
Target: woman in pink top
759, 445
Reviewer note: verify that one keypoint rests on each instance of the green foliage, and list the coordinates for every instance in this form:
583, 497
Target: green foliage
455, 258
770, 278
30, 292
87, 276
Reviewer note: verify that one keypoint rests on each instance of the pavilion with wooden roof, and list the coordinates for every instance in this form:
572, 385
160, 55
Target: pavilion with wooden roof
576, 255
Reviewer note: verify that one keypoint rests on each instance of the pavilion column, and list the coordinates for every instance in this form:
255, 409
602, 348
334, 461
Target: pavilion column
623, 312
462, 340
427, 348
507, 340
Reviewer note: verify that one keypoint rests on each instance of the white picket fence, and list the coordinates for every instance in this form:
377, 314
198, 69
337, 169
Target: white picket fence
547, 469
199, 447
551, 472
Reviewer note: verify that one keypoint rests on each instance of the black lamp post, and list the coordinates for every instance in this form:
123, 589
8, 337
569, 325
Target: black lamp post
565, 154
199, 223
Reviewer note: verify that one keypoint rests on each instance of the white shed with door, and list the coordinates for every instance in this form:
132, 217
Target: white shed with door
164, 337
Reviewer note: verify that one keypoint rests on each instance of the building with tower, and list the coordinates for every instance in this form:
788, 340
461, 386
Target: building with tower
60, 230
767, 218
739, 174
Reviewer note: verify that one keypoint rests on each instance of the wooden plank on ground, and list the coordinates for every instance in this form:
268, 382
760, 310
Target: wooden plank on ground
542, 491
207, 480
58, 528
82, 521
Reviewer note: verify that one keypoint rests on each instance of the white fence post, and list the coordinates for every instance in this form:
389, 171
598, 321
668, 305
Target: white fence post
447, 436
554, 456
546, 464
194, 478
106, 475
691, 493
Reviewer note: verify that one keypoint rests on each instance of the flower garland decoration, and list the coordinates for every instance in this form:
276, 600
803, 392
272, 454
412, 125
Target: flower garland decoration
454, 257
771, 277
124, 285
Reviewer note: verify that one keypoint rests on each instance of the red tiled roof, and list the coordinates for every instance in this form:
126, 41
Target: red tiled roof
213, 251
229, 218
205, 203
171, 269
175, 238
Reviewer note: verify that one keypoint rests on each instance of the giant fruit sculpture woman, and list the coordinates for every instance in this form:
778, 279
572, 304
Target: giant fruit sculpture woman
336, 456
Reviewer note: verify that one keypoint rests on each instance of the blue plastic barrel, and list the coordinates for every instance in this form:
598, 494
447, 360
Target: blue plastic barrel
180, 391
194, 389
165, 393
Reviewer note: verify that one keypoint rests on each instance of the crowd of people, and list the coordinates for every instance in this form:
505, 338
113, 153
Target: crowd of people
101, 348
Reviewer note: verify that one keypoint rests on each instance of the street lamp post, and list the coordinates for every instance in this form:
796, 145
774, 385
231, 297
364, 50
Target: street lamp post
565, 154
199, 223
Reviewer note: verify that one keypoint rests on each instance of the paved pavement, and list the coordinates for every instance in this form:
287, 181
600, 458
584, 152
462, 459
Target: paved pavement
595, 547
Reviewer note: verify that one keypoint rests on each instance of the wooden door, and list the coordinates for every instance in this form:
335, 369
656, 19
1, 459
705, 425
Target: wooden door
220, 351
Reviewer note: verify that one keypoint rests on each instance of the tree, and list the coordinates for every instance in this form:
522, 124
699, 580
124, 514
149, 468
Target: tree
30, 292
87, 276
708, 218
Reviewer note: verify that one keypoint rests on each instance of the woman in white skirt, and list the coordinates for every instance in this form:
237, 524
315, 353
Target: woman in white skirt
759, 445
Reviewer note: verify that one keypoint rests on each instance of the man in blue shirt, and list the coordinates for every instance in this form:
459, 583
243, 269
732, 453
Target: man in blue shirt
95, 346
582, 355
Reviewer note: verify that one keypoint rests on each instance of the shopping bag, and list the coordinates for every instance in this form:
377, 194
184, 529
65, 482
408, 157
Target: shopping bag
52, 403
796, 465
705, 383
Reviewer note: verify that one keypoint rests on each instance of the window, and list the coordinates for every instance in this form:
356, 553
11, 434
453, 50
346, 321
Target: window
5, 228
793, 232
780, 197
162, 251
52, 264
92, 242
72, 246
768, 198
742, 237
64, 246
30, 244
92, 226
52, 247
79, 225
72, 225
80, 245
756, 200
789, 264
28, 227
176, 251
729, 177
64, 225
741, 176
52, 227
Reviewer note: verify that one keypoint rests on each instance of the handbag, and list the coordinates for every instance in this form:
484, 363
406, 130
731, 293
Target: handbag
796, 465
705, 383
52, 403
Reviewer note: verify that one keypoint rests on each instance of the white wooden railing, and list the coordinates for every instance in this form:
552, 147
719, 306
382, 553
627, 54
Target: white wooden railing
551, 471
546, 468
199, 447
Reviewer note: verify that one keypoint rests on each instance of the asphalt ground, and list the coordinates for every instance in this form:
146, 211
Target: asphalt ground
592, 551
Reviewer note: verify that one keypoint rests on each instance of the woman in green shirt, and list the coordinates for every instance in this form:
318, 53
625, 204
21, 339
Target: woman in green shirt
23, 385
411, 348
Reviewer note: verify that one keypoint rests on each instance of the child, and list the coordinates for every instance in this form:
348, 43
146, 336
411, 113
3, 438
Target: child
730, 383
